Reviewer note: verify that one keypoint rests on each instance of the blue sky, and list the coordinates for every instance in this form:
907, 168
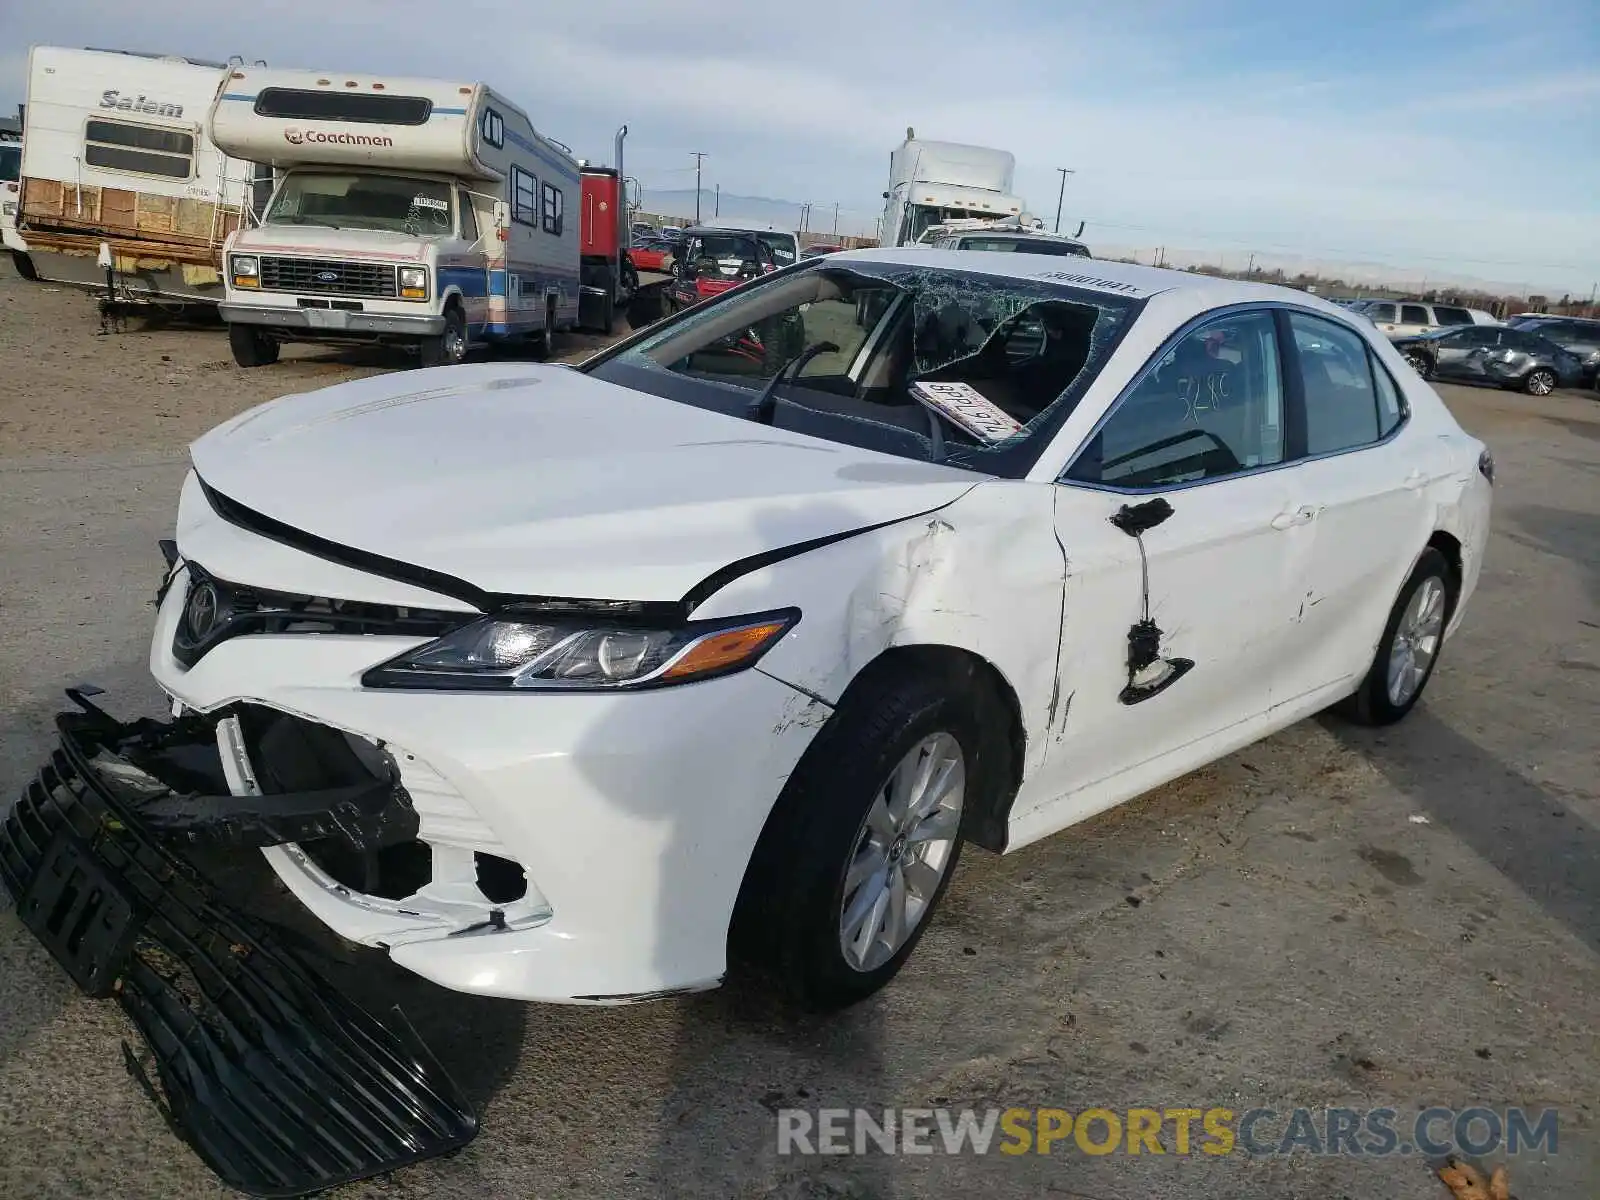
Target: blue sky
1439, 138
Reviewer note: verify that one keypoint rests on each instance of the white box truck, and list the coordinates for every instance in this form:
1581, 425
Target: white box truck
427, 213
120, 187
931, 183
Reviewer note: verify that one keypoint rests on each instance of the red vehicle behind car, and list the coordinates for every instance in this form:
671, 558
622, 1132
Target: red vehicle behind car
714, 261
652, 254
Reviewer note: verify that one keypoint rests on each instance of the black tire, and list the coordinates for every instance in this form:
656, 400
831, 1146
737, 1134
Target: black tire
24, 265
1371, 704
1540, 381
1421, 364
251, 347
448, 348
787, 921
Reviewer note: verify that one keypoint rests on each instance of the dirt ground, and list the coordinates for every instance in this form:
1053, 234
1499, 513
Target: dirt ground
1333, 917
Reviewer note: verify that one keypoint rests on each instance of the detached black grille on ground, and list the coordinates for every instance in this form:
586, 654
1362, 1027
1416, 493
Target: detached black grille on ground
280, 1084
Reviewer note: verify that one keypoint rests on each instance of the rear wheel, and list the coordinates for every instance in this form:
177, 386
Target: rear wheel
1409, 648
251, 347
448, 348
1540, 381
1420, 363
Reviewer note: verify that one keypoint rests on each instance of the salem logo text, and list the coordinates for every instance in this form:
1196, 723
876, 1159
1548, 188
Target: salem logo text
112, 98
297, 137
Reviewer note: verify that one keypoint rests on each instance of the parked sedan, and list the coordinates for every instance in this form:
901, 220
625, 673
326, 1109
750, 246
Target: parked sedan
1576, 335
1510, 358
652, 254
732, 638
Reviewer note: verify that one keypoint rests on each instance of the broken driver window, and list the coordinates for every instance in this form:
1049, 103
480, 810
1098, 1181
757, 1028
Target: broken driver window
969, 369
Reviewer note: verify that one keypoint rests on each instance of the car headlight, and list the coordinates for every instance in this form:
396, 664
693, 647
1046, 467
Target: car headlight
246, 264
505, 653
414, 282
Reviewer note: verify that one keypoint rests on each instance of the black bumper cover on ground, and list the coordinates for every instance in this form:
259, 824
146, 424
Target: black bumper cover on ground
283, 1086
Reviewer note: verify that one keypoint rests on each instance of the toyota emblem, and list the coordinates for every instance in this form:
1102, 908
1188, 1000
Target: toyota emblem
202, 611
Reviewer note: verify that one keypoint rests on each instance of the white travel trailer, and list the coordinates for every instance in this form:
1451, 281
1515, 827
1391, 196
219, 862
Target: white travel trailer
116, 167
11, 189
424, 212
933, 183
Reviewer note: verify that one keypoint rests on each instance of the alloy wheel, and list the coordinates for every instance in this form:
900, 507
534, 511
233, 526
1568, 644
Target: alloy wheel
902, 852
1416, 640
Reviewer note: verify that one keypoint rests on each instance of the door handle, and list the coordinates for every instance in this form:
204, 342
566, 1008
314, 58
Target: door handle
1289, 518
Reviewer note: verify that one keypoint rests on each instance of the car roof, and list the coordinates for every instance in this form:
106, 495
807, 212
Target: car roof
1201, 292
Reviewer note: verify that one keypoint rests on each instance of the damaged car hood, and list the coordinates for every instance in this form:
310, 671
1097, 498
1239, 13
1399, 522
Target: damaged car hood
532, 480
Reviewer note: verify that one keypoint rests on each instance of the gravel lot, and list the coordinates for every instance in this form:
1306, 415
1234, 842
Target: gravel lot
1331, 917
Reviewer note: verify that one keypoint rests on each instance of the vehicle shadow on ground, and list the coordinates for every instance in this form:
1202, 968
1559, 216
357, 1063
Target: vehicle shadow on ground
1531, 836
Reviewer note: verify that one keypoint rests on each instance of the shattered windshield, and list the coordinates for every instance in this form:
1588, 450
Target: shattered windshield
953, 366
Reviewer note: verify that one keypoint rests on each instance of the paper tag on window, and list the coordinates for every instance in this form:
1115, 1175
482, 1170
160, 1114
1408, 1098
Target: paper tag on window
430, 202
968, 408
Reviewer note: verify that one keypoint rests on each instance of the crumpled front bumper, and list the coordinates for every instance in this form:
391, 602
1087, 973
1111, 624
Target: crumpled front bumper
280, 1084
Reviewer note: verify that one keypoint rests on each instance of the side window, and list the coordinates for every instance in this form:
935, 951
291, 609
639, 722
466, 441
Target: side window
524, 197
1211, 407
554, 209
1414, 314
1341, 407
1391, 404
494, 128
1381, 312
1452, 316
139, 149
469, 219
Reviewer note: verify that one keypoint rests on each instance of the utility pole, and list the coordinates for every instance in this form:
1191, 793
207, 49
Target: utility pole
835, 218
805, 215
699, 157
1062, 194
717, 211
1250, 271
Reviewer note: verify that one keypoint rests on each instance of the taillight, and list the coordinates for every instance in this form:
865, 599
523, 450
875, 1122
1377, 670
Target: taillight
1486, 466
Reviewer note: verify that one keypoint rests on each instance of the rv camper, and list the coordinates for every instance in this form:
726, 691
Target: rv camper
117, 169
420, 212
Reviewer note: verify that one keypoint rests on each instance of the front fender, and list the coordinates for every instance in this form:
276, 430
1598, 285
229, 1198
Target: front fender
984, 574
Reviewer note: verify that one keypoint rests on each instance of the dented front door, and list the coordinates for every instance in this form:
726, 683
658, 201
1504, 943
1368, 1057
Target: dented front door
1221, 570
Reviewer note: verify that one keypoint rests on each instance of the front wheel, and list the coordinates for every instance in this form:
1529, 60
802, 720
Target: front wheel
251, 347
863, 842
1409, 648
448, 348
1539, 382
1421, 364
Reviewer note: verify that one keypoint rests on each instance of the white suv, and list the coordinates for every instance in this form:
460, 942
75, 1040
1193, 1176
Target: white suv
1407, 318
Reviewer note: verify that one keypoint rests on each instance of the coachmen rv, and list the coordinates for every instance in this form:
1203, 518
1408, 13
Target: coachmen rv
422, 212
116, 158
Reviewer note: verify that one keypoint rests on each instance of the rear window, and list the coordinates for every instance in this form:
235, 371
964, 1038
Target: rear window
1028, 246
1414, 314
1452, 316
10, 164
360, 107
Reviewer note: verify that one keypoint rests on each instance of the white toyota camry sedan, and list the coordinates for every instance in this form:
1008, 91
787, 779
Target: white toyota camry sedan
718, 648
